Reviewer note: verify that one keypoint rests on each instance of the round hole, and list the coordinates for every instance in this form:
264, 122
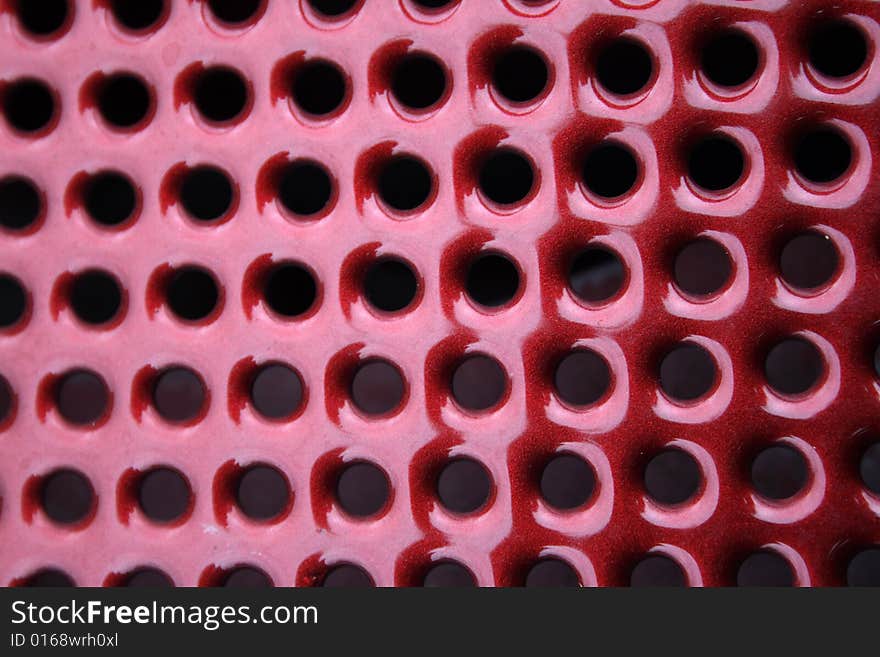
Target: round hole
688, 372
448, 574
702, 268
869, 468
305, 188
838, 49
434, 4
82, 398
765, 568
263, 493
779, 472
582, 378
520, 74
124, 100
95, 297
672, 477
597, 275
492, 280
179, 395
49, 577
332, 8
7, 400
206, 193
567, 482
13, 301
657, 570
864, 568
479, 383
377, 388
247, 577
506, 177
28, 105
610, 171
319, 88
42, 18
192, 294
730, 59
823, 155
624, 67
277, 392
552, 573
390, 285
464, 486
290, 290
148, 578
363, 490
110, 198
347, 576
164, 495
405, 183
418, 81
220, 94
716, 164
809, 261
794, 366
21, 203
67, 497
235, 12
137, 15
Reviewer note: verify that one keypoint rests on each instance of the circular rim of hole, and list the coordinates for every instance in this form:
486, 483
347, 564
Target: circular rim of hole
27, 186
137, 33
718, 137
827, 130
838, 83
622, 148
391, 412
48, 37
203, 319
51, 122
303, 163
800, 393
179, 420
88, 207
303, 396
219, 24
479, 412
499, 207
303, 115
302, 315
625, 100
97, 93
163, 520
785, 262
204, 170
414, 111
107, 276
429, 15
90, 421
417, 293
730, 91
597, 400
704, 294
330, 21
198, 88
511, 299
615, 258
373, 513
406, 212
699, 351
516, 106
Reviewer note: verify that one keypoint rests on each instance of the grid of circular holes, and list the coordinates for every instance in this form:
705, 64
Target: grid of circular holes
506, 177
479, 383
765, 568
493, 280
235, 12
138, 16
794, 366
43, 19
164, 495
520, 75
405, 183
702, 268
347, 576
448, 574
464, 486
730, 59
363, 490
29, 106
147, 577
610, 170
277, 392
290, 290
334, 9
869, 468
809, 262
179, 395
21, 203
864, 568
110, 199
624, 67
305, 188
221, 95
657, 570
688, 372
49, 577
378, 388
838, 49
13, 301
419, 81
567, 482
262, 493
319, 88
207, 194
246, 577
582, 378
552, 572
192, 294
67, 497
597, 275
672, 477
124, 101
82, 398
822, 155
390, 285
779, 472
716, 163
96, 297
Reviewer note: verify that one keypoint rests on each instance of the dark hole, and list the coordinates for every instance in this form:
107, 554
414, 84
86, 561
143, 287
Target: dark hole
28, 105
520, 74
688, 372
582, 378
49, 577
220, 94
262, 493
716, 163
506, 177
67, 496
864, 568
20, 203
823, 155
234, 11
449, 574
42, 17
347, 576
794, 366
333, 7
319, 88
869, 468
137, 15
405, 183
419, 81
672, 477
702, 268
179, 395
567, 482
877, 360
110, 198
610, 170
479, 383
552, 573
765, 568
657, 570
597, 275
809, 261
624, 67
390, 285
7, 399
290, 290
433, 4
779, 472
247, 577
123, 100
13, 301
276, 392
82, 398
95, 297
838, 49
362, 489
192, 293
377, 388
148, 578
730, 59
492, 280
164, 495
305, 188
464, 486
206, 193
